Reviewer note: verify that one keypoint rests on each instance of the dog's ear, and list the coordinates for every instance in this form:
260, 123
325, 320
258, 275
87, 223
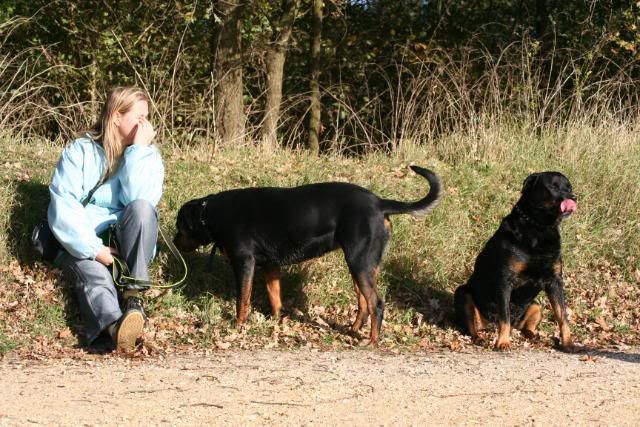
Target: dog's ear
189, 216
530, 182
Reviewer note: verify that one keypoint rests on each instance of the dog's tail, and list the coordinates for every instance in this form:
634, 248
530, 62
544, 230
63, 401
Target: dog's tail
422, 206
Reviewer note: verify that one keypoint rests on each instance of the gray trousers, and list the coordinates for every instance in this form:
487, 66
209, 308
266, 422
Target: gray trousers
137, 234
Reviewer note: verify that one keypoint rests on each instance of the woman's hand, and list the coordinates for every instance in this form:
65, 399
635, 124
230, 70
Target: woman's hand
105, 255
144, 133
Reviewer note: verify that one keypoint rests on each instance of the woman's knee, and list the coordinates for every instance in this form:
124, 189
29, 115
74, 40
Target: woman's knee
142, 211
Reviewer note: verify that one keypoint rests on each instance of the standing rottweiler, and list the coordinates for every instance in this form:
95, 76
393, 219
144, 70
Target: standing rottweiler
520, 260
271, 227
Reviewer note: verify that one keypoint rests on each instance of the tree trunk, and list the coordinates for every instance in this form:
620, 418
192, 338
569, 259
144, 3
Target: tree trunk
276, 55
226, 52
315, 114
542, 18
93, 89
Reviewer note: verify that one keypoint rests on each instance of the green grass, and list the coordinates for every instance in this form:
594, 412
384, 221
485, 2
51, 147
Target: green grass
426, 259
6, 344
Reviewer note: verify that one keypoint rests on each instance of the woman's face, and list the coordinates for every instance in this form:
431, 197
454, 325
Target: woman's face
127, 123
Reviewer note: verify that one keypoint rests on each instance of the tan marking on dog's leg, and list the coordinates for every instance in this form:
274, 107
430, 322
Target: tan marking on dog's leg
244, 270
363, 310
244, 302
479, 320
272, 277
504, 336
375, 305
561, 318
376, 318
529, 323
472, 325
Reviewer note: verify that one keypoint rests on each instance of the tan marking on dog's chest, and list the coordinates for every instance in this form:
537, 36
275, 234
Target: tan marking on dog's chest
517, 266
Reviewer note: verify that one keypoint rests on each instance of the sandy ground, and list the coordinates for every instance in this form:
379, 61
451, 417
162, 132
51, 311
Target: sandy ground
326, 388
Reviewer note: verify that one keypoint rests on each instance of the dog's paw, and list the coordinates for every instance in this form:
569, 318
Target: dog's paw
530, 335
357, 335
480, 338
368, 343
566, 347
503, 345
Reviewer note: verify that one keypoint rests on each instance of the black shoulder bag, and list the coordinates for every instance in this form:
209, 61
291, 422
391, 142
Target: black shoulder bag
43, 242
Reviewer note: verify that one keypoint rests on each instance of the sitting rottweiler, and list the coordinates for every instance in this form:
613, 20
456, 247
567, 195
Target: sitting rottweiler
271, 227
520, 260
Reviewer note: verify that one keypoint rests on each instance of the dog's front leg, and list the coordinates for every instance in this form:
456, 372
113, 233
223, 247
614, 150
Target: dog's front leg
467, 313
272, 276
555, 292
243, 268
503, 342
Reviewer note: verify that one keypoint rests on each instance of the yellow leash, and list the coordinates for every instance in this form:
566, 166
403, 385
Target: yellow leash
123, 280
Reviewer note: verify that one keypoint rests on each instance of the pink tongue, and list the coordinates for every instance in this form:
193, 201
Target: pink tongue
568, 205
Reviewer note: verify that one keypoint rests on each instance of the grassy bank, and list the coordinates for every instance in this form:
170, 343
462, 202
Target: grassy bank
426, 259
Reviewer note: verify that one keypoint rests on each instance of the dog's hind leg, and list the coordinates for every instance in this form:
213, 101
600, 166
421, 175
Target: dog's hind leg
272, 275
363, 244
529, 323
363, 309
467, 315
375, 305
243, 268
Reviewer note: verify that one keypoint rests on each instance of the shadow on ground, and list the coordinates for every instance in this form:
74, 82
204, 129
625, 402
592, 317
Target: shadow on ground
27, 210
615, 355
212, 276
425, 297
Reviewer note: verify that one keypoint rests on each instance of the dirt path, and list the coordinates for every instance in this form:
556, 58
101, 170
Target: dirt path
325, 388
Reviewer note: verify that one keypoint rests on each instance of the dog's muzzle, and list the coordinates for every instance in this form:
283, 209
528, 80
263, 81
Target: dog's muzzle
184, 243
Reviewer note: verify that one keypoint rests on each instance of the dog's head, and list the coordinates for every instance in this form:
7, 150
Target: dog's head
549, 196
191, 228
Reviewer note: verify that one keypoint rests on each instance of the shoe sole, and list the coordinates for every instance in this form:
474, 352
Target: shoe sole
129, 331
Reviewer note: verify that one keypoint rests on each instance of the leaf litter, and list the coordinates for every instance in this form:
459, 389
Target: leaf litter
603, 312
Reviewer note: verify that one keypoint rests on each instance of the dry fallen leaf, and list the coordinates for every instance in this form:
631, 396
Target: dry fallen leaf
589, 359
64, 333
602, 323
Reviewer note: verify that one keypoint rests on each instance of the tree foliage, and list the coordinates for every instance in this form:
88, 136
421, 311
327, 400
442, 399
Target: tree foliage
372, 52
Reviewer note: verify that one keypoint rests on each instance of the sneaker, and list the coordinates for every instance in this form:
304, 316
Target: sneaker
130, 326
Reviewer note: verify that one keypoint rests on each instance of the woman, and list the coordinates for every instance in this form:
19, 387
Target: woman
112, 175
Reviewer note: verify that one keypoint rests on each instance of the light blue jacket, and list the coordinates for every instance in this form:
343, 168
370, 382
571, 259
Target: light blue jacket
140, 176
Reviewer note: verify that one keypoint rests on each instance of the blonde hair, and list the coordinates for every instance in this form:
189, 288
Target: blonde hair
120, 100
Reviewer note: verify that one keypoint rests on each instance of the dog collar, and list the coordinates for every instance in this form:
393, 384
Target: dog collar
527, 218
203, 223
